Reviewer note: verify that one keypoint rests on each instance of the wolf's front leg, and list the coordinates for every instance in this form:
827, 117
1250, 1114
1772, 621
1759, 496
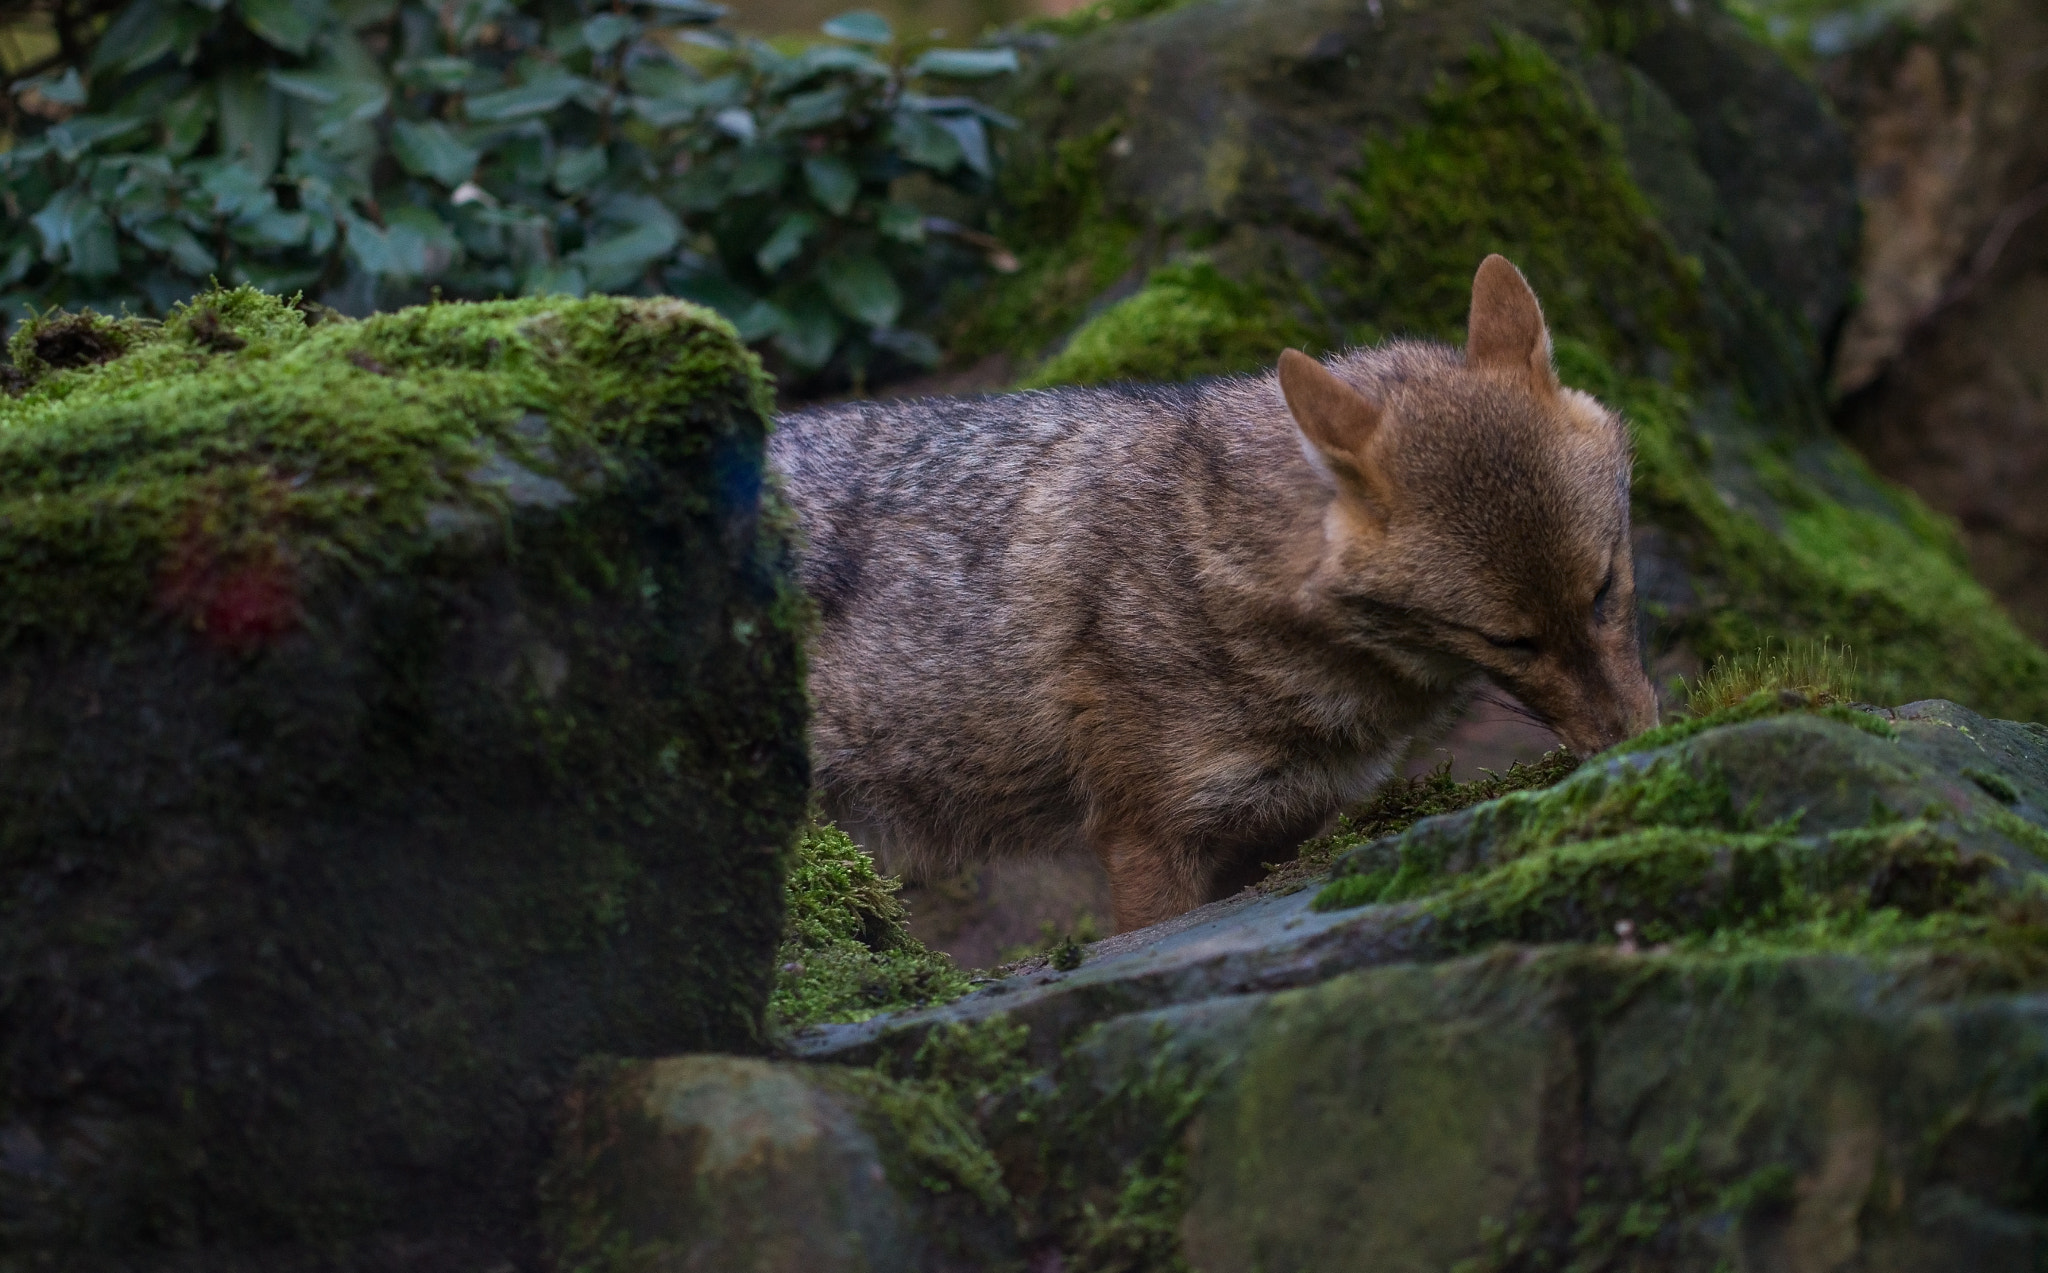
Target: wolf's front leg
1150, 878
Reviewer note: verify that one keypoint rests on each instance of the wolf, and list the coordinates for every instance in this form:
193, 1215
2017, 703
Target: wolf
1184, 625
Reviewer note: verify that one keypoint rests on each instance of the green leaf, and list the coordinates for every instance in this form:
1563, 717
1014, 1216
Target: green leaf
55, 221
862, 289
837, 57
185, 123
145, 31
174, 240
972, 137
688, 10
832, 182
65, 89
536, 97
251, 122
965, 64
552, 278
647, 231
809, 332
19, 263
901, 222
286, 24
861, 26
788, 240
920, 139
577, 168
95, 252
276, 229
701, 189
758, 171
430, 149
446, 74
608, 29
81, 133
808, 110
236, 191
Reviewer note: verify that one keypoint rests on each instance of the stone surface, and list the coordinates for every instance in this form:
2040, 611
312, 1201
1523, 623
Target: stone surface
391, 714
712, 1164
1261, 1084
1940, 363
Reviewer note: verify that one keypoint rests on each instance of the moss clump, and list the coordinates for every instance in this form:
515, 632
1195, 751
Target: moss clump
1668, 882
1816, 671
1188, 321
1402, 802
221, 464
846, 954
1514, 158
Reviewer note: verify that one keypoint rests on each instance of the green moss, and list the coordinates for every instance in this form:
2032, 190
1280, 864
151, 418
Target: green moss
1818, 672
1595, 806
1188, 321
1758, 706
1514, 158
1402, 802
1668, 882
846, 954
233, 442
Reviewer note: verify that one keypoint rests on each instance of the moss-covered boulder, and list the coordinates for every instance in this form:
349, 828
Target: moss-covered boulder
391, 714
1192, 190
1762, 991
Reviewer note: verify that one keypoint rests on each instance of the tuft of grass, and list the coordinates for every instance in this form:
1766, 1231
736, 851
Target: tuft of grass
1819, 671
846, 952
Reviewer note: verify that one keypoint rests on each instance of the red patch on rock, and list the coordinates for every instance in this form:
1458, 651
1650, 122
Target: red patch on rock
238, 606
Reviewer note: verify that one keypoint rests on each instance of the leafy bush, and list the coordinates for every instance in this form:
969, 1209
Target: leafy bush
369, 151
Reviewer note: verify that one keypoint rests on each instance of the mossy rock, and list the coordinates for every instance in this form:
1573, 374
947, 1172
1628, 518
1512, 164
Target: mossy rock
396, 712
1818, 1042
1197, 186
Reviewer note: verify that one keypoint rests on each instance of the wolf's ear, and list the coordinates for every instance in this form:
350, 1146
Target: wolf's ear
1337, 419
1506, 331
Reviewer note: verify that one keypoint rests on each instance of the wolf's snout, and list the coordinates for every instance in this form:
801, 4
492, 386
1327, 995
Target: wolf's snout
1612, 713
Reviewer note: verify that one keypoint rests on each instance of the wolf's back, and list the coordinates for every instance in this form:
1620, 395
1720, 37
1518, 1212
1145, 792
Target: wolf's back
970, 559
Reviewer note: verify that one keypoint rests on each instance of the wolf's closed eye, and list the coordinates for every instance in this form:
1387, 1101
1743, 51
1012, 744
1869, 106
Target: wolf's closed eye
1600, 598
1520, 645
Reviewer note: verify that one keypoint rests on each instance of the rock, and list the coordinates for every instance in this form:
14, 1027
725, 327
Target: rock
1194, 190
1835, 1059
1940, 363
395, 713
711, 1163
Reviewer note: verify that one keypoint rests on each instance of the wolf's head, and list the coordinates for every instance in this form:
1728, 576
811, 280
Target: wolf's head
1481, 517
